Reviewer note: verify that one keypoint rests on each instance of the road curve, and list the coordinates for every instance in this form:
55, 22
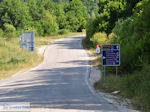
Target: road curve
60, 82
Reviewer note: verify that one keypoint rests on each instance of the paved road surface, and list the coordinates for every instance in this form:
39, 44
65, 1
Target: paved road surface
59, 83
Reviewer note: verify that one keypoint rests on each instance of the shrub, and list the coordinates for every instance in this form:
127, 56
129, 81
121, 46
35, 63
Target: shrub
112, 38
90, 28
31, 29
99, 38
63, 31
10, 30
49, 24
1, 33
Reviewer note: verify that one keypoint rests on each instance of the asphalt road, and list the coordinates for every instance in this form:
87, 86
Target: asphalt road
60, 82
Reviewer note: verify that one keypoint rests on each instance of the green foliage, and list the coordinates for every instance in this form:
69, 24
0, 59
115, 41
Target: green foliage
1, 33
110, 12
92, 6
61, 16
135, 86
134, 39
49, 24
63, 31
44, 17
99, 38
133, 35
14, 12
44, 22
139, 7
75, 15
10, 30
36, 9
90, 28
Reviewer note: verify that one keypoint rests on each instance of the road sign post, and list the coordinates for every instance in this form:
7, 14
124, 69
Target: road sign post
104, 75
111, 56
116, 71
22, 44
27, 41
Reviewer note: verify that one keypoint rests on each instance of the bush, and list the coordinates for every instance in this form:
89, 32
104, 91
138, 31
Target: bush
63, 31
31, 29
10, 30
1, 33
99, 38
49, 24
135, 86
91, 28
39, 28
112, 38
133, 37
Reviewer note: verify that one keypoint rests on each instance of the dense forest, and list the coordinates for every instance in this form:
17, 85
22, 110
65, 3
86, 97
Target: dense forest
124, 22
44, 17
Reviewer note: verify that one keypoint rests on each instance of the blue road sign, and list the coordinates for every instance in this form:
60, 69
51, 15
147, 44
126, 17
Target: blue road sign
27, 40
111, 55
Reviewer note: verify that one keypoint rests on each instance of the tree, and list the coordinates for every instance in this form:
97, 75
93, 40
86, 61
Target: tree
57, 10
49, 24
75, 15
92, 6
14, 12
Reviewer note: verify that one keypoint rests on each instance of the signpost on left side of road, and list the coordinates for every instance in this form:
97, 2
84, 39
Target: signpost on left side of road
27, 41
110, 57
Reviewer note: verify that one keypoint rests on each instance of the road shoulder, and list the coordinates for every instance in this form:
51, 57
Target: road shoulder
121, 103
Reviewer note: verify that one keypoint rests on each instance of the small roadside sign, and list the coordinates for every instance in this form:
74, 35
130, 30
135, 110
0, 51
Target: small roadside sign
27, 41
98, 49
29, 37
23, 41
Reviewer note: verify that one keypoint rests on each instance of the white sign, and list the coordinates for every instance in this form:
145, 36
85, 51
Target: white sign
27, 40
98, 49
14, 107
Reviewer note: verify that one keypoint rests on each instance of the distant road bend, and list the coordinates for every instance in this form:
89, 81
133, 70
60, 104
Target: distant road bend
60, 82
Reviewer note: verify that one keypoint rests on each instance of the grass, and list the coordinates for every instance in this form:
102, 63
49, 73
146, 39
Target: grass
135, 86
12, 60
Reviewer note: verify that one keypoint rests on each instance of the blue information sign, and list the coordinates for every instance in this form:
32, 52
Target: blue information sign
111, 55
27, 41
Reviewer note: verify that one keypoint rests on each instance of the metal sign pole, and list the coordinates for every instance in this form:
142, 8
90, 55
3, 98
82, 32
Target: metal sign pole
116, 71
23, 48
110, 57
104, 75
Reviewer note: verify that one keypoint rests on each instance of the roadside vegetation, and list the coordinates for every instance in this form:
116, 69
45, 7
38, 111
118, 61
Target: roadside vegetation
126, 23
13, 60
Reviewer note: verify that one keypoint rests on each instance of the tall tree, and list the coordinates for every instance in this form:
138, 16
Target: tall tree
92, 6
14, 12
76, 16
